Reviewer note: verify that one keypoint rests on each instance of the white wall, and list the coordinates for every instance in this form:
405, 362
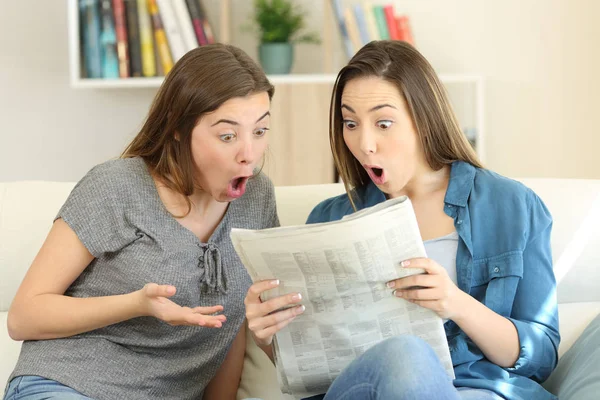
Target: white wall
49, 131
539, 57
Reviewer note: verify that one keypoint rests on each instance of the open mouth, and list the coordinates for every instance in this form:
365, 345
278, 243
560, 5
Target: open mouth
376, 174
237, 182
237, 187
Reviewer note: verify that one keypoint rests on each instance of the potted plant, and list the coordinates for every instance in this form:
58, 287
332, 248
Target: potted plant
280, 24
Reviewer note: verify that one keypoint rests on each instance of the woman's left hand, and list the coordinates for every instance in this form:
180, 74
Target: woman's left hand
433, 290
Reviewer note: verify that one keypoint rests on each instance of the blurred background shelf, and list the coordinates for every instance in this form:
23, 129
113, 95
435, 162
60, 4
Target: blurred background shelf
299, 146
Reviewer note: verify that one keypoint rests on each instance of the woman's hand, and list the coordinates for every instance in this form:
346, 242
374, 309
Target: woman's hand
433, 290
262, 320
154, 302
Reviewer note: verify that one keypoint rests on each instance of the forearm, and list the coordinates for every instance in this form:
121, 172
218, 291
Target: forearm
495, 335
52, 316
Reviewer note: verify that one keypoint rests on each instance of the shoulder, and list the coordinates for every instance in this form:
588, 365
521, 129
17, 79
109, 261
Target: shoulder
256, 209
494, 186
493, 183
260, 182
120, 168
123, 168
331, 209
113, 178
509, 198
260, 187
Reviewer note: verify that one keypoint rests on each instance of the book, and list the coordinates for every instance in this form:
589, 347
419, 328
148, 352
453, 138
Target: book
108, 40
361, 23
122, 42
171, 27
206, 27
146, 39
352, 27
160, 38
197, 21
185, 24
370, 20
336, 5
390, 20
133, 31
341, 268
382, 28
89, 11
404, 31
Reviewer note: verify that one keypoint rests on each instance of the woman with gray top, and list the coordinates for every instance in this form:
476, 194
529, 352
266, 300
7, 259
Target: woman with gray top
137, 292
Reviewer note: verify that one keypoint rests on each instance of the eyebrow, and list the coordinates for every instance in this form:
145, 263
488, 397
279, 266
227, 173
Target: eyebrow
378, 107
231, 122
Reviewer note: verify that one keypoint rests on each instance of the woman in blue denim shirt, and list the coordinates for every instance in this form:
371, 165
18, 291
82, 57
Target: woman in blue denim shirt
393, 133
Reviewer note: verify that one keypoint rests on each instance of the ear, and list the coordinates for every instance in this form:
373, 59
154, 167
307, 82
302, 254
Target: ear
176, 136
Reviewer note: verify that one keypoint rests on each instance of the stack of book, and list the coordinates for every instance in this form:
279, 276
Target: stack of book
139, 38
365, 22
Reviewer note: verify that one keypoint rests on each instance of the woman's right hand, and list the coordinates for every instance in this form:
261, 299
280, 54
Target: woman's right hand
154, 302
262, 320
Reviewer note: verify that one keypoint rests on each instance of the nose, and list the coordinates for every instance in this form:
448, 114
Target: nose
245, 153
367, 141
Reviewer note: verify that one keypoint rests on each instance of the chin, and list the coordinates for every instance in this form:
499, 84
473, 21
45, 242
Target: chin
222, 197
393, 188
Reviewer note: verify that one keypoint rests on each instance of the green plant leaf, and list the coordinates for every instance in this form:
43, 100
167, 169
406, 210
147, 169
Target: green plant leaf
280, 21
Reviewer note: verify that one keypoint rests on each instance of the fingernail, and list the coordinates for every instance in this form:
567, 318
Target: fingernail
275, 282
297, 296
397, 293
405, 263
301, 309
391, 284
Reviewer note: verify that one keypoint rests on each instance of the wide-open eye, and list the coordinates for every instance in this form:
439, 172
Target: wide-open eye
384, 124
228, 137
349, 124
261, 132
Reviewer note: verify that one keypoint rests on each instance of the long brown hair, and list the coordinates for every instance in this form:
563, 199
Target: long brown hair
435, 122
199, 83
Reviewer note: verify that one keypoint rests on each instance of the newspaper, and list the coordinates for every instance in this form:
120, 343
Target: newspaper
341, 269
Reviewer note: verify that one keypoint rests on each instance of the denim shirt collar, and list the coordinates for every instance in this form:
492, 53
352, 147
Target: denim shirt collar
462, 177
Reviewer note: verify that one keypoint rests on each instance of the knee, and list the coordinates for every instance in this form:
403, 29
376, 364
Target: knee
401, 355
400, 347
400, 364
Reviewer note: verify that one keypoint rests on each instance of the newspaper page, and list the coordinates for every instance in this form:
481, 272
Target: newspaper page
340, 268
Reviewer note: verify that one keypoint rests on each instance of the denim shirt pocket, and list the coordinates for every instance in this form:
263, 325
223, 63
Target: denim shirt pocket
500, 275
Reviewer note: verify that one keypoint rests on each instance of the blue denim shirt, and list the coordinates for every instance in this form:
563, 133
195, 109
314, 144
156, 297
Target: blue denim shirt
504, 261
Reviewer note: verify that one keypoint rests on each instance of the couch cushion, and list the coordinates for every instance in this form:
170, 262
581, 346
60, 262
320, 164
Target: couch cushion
26, 213
573, 319
294, 203
259, 376
9, 352
575, 207
577, 376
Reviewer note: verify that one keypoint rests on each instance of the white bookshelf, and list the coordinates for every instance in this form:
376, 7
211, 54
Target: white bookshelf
466, 91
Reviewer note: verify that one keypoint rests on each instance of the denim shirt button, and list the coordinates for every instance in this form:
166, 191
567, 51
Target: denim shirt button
459, 221
496, 270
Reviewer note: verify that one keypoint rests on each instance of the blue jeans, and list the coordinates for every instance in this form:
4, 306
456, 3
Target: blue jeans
29, 387
399, 368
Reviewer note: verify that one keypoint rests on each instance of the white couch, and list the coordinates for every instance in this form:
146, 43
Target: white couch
27, 210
